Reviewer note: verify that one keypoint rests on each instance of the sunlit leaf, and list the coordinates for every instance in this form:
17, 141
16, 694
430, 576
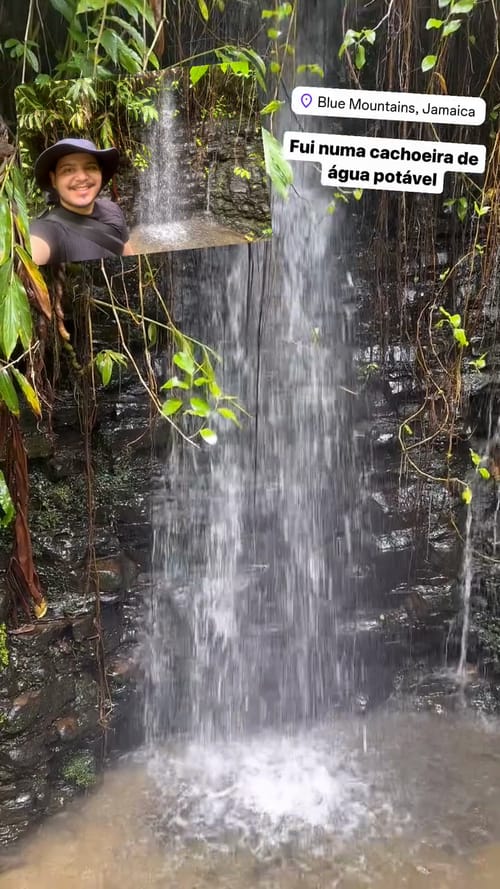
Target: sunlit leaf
203, 9
175, 383
8, 393
171, 406
28, 392
428, 62
209, 436
200, 407
467, 495
196, 72
185, 362
228, 414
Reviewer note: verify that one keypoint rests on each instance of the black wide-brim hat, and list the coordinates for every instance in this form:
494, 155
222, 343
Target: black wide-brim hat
108, 159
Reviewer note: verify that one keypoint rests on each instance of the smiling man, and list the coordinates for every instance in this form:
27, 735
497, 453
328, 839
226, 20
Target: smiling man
82, 226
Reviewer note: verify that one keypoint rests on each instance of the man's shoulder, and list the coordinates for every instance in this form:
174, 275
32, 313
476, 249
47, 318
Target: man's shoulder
105, 208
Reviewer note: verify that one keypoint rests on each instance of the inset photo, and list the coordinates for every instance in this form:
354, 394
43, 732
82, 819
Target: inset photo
169, 160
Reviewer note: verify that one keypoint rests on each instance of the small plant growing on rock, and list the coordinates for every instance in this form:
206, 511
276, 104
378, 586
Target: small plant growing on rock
80, 771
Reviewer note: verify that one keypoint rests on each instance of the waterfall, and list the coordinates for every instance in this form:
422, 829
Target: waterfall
159, 183
250, 573
466, 592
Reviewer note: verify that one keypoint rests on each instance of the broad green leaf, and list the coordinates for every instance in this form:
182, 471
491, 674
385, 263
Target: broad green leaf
199, 407
197, 72
461, 207
185, 362
203, 9
90, 6
129, 59
483, 472
109, 40
104, 364
434, 23
65, 7
228, 414
28, 392
462, 6
273, 33
15, 317
214, 389
278, 169
16, 191
201, 381
369, 35
357, 194
171, 406
451, 27
428, 62
467, 495
271, 107
175, 383
443, 3
5, 230
7, 511
360, 57
209, 436
455, 320
460, 336
8, 393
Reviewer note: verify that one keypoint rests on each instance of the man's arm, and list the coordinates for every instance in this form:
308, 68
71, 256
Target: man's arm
40, 250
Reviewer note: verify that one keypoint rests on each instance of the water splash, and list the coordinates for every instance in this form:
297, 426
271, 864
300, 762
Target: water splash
466, 593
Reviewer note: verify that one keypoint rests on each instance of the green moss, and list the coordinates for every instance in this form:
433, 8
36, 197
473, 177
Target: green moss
4, 651
80, 770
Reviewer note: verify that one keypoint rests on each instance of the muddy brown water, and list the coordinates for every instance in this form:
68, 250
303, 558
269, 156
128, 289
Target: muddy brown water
393, 800
188, 234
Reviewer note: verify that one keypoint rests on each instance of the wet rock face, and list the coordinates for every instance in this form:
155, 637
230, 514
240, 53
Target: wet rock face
68, 680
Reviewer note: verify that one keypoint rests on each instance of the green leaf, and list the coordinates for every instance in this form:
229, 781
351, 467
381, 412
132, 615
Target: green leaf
451, 27
185, 361
175, 383
209, 436
104, 366
28, 392
462, 6
7, 511
199, 407
369, 35
434, 23
475, 457
7, 392
357, 194
171, 406
196, 72
467, 495
273, 33
461, 206
152, 332
228, 414
455, 320
129, 59
428, 62
443, 3
5, 230
203, 9
271, 107
15, 317
214, 389
460, 336
408, 429
66, 8
90, 6
278, 169
360, 57
483, 472
109, 40
312, 69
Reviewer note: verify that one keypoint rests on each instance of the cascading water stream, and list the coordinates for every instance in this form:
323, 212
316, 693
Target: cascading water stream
466, 594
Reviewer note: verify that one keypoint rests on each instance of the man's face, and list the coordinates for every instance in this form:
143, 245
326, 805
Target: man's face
77, 179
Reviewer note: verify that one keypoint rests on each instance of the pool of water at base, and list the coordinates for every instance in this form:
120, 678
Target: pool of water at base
385, 801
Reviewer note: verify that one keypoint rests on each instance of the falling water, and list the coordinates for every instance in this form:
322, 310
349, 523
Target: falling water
466, 587
159, 183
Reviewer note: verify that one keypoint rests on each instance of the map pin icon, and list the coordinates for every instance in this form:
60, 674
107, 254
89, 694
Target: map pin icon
306, 99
